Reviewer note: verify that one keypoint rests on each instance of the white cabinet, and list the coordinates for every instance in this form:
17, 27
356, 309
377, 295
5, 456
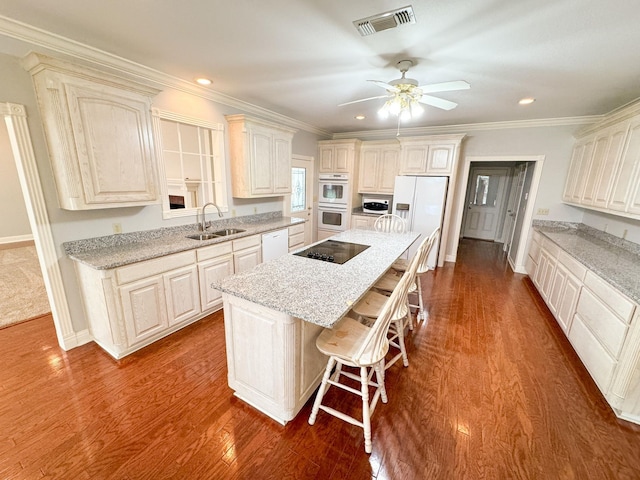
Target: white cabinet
296, 236
260, 157
247, 253
214, 262
338, 156
625, 195
604, 173
432, 155
565, 289
99, 132
379, 164
144, 309
533, 254
362, 222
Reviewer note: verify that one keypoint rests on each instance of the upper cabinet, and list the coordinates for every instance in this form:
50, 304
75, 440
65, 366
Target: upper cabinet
604, 173
432, 155
260, 157
99, 132
379, 163
338, 156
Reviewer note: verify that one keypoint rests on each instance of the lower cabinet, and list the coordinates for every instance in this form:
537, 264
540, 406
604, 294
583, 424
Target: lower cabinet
362, 222
600, 324
296, 236
132, 306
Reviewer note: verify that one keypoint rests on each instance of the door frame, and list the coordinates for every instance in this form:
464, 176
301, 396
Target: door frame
519, 267
15, 118
286, 207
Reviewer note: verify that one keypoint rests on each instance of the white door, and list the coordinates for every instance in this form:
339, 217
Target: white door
300, 203
517, 181
484, 201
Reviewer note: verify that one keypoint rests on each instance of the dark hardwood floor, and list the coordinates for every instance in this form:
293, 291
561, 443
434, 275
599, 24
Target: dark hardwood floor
493, 391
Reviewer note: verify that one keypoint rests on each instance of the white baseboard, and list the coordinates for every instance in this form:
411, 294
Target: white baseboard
76, 339
16, 241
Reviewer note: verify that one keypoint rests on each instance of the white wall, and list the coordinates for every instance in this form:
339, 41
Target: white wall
16, 87
15, 222
555, 143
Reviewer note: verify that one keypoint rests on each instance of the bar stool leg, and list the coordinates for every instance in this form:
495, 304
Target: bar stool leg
366, 417
324, 386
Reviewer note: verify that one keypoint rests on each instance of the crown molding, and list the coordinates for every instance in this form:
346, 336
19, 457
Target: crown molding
470, 127
129, 69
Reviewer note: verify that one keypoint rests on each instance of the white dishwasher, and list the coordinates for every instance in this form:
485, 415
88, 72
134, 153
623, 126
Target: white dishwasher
275, 244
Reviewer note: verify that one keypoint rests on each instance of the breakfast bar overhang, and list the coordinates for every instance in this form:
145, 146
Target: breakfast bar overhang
274, 313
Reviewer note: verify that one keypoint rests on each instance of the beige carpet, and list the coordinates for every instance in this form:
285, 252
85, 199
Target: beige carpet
22, 293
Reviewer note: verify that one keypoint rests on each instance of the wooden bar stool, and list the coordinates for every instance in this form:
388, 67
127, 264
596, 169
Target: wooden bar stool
388, 281
373, 302
390, 223
352, 344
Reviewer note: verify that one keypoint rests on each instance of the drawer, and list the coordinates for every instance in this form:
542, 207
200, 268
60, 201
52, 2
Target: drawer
246, 242
296, 240
296, 229
605, 325
551, 248
621, 305
594, 357
148, 268
212, 251
571, 264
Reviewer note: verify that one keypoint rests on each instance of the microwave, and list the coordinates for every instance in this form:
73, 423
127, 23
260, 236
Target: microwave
377, 205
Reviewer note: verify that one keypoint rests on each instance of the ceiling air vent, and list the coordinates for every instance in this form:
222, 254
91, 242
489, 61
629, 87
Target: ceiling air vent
385, 21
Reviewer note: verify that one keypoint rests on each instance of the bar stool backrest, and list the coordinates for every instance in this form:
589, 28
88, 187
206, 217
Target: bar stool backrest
390, 223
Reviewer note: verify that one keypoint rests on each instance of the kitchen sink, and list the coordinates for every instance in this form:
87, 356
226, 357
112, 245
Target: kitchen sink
227, 231
216, 234
203, 236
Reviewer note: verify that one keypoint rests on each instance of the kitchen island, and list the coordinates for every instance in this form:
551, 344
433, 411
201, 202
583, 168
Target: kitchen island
274, 313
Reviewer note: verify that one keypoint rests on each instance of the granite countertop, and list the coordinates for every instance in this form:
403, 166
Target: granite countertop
316, 291
614, 260
103, 253
358, 211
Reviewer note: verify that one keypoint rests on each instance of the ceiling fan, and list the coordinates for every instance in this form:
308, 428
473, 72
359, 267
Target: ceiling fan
404, 95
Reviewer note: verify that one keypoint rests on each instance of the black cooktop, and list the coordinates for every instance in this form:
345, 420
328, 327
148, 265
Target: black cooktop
333, 251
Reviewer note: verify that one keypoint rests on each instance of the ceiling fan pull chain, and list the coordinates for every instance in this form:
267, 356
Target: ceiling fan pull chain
398, 132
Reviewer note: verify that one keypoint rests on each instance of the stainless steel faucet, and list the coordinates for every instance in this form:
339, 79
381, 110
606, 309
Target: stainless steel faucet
203, 225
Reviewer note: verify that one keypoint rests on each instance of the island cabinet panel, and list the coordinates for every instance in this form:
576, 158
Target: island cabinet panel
273, 363
99, 133
260, 157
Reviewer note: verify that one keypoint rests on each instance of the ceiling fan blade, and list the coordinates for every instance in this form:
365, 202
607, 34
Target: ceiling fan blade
445, 87
363, 100
437, 102
391, 88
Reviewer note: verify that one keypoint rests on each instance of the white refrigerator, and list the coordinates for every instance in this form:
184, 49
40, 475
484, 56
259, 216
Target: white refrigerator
420, 201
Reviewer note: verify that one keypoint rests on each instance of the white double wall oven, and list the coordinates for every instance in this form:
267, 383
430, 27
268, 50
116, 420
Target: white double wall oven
333, 202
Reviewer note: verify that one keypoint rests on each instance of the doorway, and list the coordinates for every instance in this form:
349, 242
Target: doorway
522, 228
299, 203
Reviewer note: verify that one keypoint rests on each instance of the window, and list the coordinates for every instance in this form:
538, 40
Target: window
191, 163
298, 189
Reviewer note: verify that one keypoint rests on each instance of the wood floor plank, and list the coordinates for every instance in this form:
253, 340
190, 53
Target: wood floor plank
493, 390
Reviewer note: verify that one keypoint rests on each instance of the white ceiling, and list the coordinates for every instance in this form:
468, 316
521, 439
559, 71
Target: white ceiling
303, 58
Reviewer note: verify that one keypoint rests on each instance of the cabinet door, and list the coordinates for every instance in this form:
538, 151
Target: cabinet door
557, 287
572, 174
361, 222
341, 160
112, 133
625, 183
326, 159
182, 294
568, 301
209, 271
244, 260
144, 308
368, 170
387, 170
582, 171
600, 148
414, 159
281, 164
440, 159
261, 148
610, 164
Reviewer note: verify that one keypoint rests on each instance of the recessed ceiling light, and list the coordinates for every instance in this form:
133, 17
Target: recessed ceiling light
527, 101
359, 117
203, 81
